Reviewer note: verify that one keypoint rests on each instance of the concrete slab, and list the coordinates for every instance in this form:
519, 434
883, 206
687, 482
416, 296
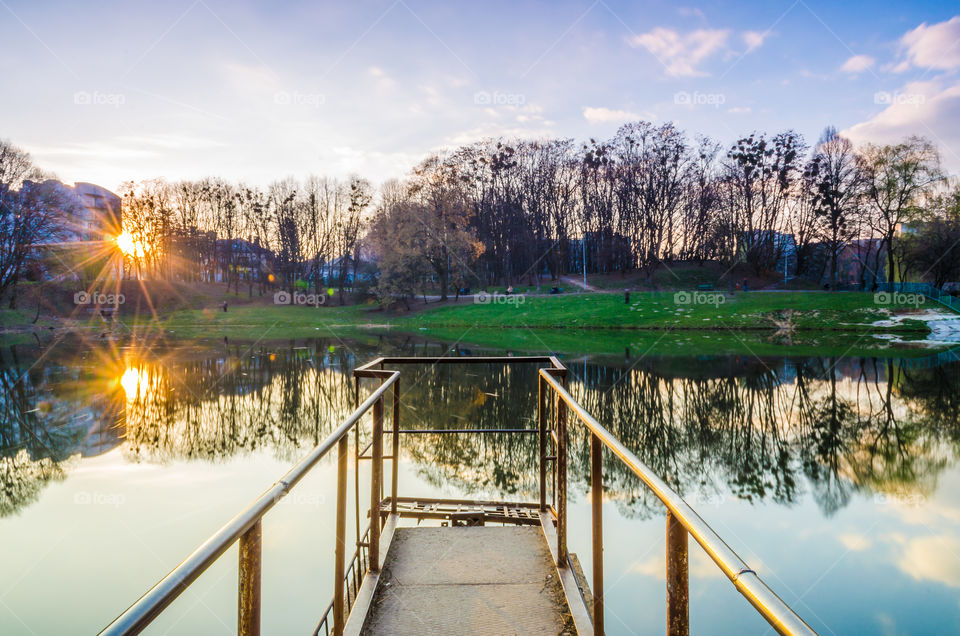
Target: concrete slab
467, 580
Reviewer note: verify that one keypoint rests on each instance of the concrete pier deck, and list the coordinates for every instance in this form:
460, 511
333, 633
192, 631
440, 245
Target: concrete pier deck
469, 580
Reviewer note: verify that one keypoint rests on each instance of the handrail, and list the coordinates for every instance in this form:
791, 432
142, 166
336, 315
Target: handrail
246, 526
139, 615
776, 612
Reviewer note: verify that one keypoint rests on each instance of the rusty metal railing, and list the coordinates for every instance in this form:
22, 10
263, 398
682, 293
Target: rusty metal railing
352, 580
246, 528
682, 520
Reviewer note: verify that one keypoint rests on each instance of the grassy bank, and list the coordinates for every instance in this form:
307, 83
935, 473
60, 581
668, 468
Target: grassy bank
759, 323
814, 311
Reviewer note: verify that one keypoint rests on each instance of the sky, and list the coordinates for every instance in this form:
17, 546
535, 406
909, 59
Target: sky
107, 92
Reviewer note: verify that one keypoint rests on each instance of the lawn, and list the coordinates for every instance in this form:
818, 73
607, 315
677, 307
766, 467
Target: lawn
661, 323
820, 311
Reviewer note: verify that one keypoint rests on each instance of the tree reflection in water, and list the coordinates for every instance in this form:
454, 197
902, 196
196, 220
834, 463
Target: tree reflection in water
758, 430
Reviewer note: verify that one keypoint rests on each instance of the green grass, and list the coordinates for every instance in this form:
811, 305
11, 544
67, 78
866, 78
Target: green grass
258, 321
821, 311
758, 323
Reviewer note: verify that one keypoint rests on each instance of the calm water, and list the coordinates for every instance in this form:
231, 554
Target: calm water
836, 479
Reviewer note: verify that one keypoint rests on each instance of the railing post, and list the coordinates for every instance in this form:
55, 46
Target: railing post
356, 467
248, 603
542, 422
396, 446
596, 504
561, 483
340, 550
376, 472
678, 594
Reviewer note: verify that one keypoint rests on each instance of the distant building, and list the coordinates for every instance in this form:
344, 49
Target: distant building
862, 263
250, 260
778, 248
88, 219
88, 212
99, 213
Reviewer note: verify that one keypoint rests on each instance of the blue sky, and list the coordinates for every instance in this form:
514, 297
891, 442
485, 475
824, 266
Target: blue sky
110, 91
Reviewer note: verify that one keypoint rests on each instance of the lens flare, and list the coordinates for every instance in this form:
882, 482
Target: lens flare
128, 245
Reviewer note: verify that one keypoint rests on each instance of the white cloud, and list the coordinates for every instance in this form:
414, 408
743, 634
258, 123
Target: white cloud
680, 54
929, 109
855, 542
383, 80
601, 115
857, 63
933, 558
936, 46
740, 110
754, 39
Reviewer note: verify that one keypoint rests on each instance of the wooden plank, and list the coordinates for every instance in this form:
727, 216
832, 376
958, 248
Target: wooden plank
368, 587
576, 603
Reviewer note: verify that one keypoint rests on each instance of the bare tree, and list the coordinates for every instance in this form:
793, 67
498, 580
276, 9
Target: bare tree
835, 182
897, 177
28, 215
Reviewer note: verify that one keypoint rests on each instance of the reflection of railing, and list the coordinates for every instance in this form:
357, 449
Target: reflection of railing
553, 404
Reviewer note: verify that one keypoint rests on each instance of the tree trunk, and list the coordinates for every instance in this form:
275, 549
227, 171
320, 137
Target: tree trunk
890, 275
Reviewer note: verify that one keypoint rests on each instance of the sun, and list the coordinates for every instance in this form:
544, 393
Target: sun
131, 381
128, 245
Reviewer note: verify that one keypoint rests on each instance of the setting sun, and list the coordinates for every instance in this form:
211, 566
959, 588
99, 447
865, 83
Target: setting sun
128, 245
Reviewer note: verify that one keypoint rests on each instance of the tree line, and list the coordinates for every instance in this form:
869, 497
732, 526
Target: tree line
521, 211
505, 212
292, 233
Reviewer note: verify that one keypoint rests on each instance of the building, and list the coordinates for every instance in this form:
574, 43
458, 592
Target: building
87, 212
862, 263
99, 211
87, 220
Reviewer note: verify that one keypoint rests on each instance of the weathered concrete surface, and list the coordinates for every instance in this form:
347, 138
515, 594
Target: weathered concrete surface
469, 580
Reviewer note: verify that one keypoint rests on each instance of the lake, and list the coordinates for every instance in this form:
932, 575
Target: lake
836, 479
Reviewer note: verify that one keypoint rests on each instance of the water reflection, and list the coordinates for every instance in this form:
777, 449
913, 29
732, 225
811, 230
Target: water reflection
755, 430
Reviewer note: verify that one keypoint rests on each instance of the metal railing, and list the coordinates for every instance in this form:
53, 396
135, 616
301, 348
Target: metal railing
552, 431
246, 528
681, 521
352, 580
